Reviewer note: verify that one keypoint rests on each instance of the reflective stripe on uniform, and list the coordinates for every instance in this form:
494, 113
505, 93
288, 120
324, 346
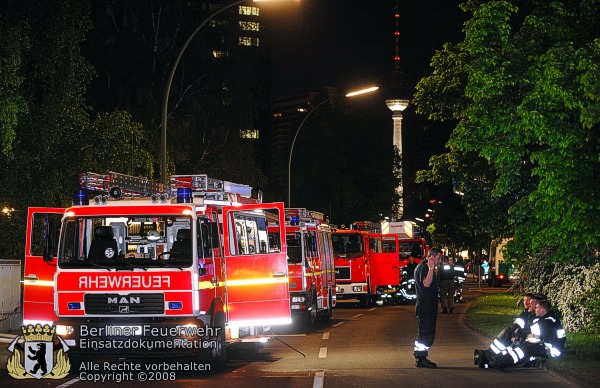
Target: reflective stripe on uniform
520, 322
419, 347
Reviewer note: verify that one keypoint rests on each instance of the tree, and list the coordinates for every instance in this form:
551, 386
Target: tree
523, 87
48, 135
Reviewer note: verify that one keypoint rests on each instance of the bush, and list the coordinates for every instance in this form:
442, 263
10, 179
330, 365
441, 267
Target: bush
574, 290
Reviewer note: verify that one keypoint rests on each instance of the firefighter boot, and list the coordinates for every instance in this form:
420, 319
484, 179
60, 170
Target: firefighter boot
479, 358
424, 362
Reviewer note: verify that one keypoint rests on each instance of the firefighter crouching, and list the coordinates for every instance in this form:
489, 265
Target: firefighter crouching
547, 339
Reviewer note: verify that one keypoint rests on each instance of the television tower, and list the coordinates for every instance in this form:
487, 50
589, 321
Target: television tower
397, 106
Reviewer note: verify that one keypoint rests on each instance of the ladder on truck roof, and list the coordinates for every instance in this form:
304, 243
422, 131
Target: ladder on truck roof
301, 214
122, 185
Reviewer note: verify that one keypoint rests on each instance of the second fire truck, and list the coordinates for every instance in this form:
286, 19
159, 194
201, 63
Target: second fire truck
310, 265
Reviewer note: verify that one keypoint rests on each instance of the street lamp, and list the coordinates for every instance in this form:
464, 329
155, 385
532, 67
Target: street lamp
170, 81
351, 94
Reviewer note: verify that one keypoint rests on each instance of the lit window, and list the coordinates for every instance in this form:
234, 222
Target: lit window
251, 11
277, 115
249, 26
301, 110
248, 41
218, 54
249, 133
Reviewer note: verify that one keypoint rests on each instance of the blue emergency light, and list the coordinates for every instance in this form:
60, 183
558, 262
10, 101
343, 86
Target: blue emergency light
81, 197
184, 195
74, 306
295, 220
175, 305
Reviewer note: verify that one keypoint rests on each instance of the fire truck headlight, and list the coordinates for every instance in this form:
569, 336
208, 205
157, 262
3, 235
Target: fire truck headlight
298, 299
64, 330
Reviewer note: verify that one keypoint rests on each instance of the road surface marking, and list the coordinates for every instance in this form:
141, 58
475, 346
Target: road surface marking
323, 353
356, 316
326, 335
70, 382
339, 323
374, 308
319, 377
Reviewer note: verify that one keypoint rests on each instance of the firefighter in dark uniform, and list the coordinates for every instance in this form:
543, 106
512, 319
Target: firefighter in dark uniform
520, 328
547, 339
426, 307
446, 274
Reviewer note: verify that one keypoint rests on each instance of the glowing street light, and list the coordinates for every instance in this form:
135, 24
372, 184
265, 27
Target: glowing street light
351, 94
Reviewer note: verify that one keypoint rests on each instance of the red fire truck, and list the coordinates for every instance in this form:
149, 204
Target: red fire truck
310, 265
367, 266
185, 268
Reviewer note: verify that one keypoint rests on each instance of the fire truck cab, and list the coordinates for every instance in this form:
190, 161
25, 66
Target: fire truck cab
352, 253
179, 270
310, 265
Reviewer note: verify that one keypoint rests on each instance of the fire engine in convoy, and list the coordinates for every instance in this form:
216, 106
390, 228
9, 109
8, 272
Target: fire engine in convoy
367, 266
180, 269
310, 265
411, 244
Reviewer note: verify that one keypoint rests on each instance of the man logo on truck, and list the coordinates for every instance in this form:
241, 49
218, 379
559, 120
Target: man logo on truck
125, 300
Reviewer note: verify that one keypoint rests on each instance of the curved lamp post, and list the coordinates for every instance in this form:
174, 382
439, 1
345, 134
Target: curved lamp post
170, 81
351, 94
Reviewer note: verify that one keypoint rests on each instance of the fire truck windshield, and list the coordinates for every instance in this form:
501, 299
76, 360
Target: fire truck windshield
294, 248
126, 242
413, 248
347, 245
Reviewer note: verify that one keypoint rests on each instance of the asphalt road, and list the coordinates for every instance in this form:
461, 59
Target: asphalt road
359, 347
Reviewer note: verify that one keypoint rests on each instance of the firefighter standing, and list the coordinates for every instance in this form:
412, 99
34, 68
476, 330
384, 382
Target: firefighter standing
410, 267
546, 339
426, 307
446, 274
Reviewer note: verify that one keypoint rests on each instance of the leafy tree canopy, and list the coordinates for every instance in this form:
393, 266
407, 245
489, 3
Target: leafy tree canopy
524, 88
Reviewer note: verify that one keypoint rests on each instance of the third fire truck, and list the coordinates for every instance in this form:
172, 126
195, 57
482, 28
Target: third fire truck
367, 265
177, 270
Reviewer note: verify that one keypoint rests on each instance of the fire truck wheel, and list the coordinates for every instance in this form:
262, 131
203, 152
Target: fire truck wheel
311, 314
219, 323
329, 312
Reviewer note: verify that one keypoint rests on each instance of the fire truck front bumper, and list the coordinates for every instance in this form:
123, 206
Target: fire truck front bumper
299, 303
351, 291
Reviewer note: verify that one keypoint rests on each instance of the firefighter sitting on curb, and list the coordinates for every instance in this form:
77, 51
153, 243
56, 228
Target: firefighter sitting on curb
518, 331
546, 339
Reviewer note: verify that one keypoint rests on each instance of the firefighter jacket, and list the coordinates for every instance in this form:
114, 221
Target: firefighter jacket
547, 330
460, 271
446, 271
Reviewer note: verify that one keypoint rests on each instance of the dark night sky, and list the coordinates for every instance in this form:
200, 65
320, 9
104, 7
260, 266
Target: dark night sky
351, 43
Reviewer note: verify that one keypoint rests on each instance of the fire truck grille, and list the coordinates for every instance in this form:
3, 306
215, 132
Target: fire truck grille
129, 304
342, 273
